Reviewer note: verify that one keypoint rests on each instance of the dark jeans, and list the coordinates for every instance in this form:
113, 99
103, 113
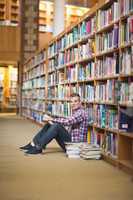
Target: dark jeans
49, 132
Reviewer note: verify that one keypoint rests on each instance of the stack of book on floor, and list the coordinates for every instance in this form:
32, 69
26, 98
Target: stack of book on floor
73, 150
90, 151
83, 150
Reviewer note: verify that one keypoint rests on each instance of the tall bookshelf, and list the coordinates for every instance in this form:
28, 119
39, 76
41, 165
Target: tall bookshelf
9, 12
2, 10
8, 88
94, 57
34, 87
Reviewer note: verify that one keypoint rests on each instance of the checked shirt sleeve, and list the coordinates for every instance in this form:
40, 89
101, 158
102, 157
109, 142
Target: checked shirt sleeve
74, 119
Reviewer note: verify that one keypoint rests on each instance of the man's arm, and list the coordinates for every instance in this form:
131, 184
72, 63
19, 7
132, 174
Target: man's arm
74, 119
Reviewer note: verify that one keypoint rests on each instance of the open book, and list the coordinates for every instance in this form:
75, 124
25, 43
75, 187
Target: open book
46, 118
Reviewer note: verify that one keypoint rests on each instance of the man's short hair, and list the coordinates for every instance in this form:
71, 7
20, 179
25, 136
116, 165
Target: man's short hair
75, 95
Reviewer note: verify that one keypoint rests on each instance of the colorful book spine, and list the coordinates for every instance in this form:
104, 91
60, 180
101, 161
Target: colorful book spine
111, 145
87, 27
53, 64
100, 116
61, 109
71, 55
60, 77
80, 89
100, 92
130, 23
112, 119
126, 6
61, 44
106, 117
72, 37
72, 73
61, 61
126, 61
107, 66
52, 79
107, 16
37, 94
126, 92
87, 50
89, 93
108, 40
96, 137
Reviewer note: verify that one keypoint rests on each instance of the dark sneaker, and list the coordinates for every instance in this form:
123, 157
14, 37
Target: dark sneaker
34, 150
26, 147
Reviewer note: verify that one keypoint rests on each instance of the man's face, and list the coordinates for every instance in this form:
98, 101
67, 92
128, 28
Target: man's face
75, 102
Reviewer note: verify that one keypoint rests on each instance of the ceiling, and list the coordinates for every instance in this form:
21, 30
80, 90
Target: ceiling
81, 3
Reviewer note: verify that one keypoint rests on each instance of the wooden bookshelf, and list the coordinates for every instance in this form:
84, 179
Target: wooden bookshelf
91, 57
2, 10
8, 88
9, 12
34, 90
125, 152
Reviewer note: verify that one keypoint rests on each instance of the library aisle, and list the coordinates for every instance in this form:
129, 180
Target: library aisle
52, 175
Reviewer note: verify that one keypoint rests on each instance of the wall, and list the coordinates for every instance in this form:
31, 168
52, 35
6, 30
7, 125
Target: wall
9, 44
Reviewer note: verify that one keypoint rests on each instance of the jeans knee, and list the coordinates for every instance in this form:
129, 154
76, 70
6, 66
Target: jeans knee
56, 125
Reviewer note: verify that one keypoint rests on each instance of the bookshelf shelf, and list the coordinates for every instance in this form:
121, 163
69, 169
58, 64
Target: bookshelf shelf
108, 52
112, 130
123, 17
85, 38
108, 27
86, 59
94, 58
87, 80
53, 56
126, 45
130, 135
125, 75
112, 159
127, 163
106, 78
72, 45
106, 103
126, 104
10, 11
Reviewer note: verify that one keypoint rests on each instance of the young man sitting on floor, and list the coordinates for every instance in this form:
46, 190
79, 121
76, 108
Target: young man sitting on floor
69, 129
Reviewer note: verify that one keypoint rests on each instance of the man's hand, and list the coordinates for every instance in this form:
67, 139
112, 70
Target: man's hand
47, 118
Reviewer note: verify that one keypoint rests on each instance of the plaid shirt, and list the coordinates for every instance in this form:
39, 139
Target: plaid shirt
78, 124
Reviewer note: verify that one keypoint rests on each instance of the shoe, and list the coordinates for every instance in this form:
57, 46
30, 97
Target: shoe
26, 147
34, 150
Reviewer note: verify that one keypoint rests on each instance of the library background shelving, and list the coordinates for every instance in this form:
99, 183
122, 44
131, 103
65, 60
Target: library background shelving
94, 57
8, 88
46, 15
33, 90
9, 12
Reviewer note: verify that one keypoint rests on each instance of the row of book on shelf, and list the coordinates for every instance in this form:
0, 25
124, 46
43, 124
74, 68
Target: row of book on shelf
102, 116
38, 94
35, 60
34, 83
109, 91
108, 40
111, 38
37, 71
110, 65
